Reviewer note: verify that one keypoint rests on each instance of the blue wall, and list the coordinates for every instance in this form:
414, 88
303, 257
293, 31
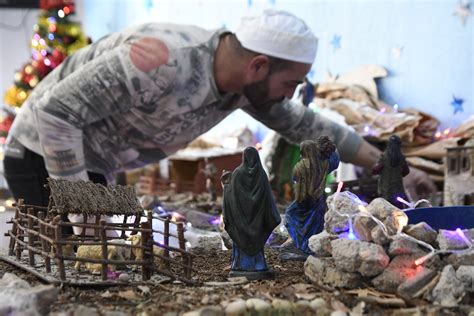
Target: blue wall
436, 62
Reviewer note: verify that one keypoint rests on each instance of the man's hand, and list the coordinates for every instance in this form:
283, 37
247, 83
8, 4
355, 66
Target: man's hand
418, 184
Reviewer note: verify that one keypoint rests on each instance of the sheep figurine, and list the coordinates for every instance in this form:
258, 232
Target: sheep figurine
138, 252
95, 252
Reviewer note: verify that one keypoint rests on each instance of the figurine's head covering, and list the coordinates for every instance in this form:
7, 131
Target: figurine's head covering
278, 34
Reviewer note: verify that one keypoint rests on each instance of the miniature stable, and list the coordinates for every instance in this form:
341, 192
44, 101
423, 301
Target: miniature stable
38, 245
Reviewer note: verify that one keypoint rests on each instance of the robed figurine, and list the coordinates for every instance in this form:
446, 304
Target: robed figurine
250, 215
304, 217
391, 168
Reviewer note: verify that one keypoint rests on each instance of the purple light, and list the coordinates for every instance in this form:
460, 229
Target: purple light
215, 221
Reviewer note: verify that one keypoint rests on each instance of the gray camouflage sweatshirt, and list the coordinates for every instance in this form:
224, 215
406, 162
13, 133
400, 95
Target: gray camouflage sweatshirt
136, 96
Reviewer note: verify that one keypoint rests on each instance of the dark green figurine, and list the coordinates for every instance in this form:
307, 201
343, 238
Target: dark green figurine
250, 215
391, 168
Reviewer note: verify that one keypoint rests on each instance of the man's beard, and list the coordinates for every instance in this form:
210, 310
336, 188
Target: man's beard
257, 94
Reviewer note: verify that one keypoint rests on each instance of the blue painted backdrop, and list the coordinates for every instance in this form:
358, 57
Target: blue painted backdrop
425, 47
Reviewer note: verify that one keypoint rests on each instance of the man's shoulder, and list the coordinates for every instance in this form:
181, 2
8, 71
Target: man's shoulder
176, 35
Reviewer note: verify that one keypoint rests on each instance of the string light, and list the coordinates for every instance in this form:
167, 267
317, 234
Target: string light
463, 237
401, 200
395, 107
363, 212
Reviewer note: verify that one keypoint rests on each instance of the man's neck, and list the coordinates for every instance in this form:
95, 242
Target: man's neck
226, 68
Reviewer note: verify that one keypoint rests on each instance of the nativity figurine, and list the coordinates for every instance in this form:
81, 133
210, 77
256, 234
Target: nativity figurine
391, 168
210, 172
304, 217
250, 215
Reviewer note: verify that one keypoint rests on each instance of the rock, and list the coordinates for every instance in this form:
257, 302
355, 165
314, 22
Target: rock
461, 258
278, 236
343, 202
363, 227
115, 313
400, 269
259, 306
236, 308
419, 284
450, 240
83, 310
17, 297
381, 208
378, 236
124, 277
466, 275
449, 290
395, 222
403, 246
198, 219
282, 307
320, 244
320, 306
207, 311
303, 307
368, 259
323, 271
226, 239
207, 244
422, 231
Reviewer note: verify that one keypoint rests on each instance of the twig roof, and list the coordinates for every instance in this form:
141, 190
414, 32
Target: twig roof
89, 198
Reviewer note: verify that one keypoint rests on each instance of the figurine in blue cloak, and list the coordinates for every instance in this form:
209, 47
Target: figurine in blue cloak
250, 215
304, 217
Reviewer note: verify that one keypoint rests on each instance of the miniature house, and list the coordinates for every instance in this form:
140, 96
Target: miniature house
459, 175
38, 244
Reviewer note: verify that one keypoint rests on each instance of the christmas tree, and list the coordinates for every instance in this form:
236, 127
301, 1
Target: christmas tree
55, 37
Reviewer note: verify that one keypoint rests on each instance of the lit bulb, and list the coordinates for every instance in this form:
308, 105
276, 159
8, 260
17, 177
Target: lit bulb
327, 190
363, 209
2, 209
339, 186
61, 14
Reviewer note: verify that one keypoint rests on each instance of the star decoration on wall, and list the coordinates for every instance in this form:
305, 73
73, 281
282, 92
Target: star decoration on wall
397, 51
457, 104
336, 42
463, 11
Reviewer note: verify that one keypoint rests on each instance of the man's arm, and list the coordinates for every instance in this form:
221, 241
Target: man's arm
297, 123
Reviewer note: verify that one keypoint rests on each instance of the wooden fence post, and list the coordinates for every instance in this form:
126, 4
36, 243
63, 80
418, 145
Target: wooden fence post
31, 242
44, 243
59, 247
166, 241
103, 240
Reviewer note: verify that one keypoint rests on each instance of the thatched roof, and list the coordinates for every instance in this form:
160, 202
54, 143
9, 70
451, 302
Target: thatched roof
89, 198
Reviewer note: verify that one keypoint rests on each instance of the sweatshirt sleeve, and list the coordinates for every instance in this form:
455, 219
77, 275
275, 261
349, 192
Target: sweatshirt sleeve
126, 76
296, 123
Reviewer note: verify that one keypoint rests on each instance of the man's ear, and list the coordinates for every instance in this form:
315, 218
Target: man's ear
258, 68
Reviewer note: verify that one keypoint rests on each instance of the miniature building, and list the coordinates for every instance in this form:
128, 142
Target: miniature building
38, 246
459, 175
187, 167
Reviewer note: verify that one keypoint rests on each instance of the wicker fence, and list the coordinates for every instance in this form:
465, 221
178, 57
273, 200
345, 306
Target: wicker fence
37, 231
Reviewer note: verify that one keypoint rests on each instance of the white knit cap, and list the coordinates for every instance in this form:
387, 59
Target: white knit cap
278, 34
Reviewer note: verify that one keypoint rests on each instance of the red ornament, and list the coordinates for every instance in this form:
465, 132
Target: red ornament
56, 4
42, 69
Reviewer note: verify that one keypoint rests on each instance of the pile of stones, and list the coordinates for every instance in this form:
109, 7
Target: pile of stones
372, 245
